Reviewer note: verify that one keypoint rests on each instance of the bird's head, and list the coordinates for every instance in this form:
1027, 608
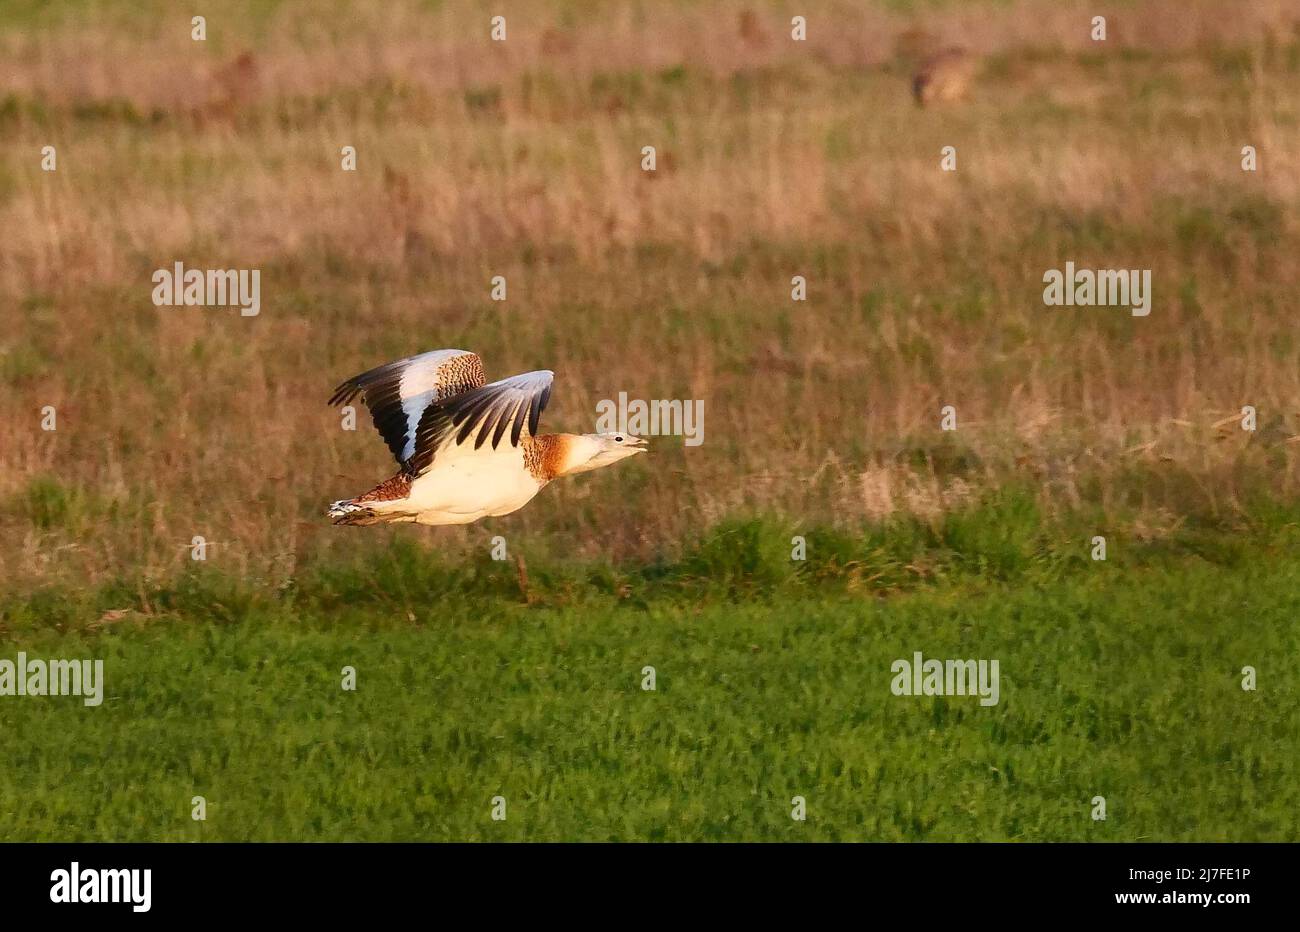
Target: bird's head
599, 450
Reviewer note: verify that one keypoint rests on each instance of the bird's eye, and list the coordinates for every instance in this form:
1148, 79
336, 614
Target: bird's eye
618, 439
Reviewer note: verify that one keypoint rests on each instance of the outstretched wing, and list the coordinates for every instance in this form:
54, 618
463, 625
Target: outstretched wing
491, 410
398, 393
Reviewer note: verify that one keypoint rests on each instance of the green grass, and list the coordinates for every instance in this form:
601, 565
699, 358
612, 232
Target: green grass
1120, 679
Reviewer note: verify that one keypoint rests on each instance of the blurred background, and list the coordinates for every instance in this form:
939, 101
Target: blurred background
522, 158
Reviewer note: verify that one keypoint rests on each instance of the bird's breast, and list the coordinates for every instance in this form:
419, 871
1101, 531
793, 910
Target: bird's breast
484, 481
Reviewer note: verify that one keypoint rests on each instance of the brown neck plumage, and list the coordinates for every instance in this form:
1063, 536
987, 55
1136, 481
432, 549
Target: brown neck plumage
546, 455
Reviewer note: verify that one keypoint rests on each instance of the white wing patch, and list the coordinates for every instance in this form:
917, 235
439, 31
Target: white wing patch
398, 393
487, 413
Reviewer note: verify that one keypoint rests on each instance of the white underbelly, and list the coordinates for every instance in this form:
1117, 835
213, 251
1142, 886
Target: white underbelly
464, 485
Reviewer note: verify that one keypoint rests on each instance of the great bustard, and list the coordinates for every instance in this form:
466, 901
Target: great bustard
467, 449
944, 77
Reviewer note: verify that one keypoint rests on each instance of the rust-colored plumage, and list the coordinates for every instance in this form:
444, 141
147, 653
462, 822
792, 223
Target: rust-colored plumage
546, 455
399, 486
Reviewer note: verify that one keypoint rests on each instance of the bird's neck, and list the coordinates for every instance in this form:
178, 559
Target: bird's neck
549, 456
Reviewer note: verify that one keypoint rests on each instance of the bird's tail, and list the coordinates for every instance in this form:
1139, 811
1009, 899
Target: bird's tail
382, 503
350, 511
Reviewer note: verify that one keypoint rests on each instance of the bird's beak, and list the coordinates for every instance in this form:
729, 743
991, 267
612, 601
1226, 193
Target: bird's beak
639, 445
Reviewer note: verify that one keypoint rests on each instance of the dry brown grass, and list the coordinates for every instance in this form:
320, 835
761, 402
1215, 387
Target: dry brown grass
522, 159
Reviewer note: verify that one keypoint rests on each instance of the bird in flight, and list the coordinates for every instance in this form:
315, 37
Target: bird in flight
468, 450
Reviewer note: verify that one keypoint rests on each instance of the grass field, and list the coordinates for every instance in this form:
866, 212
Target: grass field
1120, 679
523, 159
776, 159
